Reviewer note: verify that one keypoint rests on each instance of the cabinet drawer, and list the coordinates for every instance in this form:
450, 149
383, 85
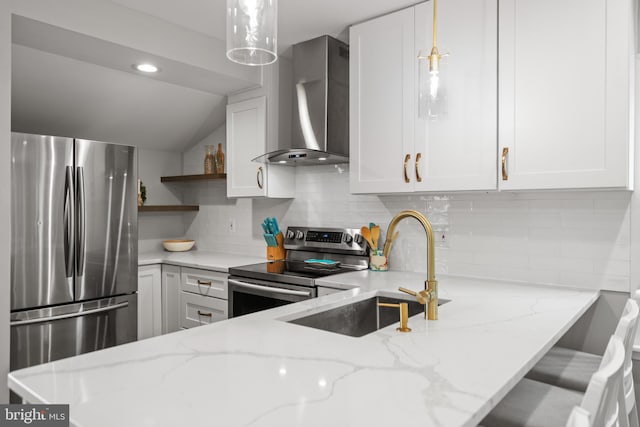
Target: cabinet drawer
204, 282
196, 310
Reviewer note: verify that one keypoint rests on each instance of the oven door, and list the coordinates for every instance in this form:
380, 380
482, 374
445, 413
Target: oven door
252, 295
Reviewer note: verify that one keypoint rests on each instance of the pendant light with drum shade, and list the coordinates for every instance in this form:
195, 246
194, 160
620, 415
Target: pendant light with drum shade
432, 102
252, 27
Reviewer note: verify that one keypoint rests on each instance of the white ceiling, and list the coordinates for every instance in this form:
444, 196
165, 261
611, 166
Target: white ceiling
298, 20
75, 83
83, 100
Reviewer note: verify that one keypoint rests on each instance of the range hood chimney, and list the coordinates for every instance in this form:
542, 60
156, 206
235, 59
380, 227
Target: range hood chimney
320, 133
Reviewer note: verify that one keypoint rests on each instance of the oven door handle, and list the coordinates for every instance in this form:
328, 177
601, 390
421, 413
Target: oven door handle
270, 289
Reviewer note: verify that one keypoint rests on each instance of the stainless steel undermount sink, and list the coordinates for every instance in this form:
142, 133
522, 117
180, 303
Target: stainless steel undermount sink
359, 318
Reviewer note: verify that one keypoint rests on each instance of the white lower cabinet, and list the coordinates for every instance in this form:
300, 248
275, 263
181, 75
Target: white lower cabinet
197, 310
170, 298
204, 282
203, 297
149, 301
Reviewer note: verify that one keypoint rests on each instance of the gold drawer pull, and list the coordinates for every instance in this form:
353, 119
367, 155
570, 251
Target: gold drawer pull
205, 314
418, 157
204, 282
505, 153
406, 175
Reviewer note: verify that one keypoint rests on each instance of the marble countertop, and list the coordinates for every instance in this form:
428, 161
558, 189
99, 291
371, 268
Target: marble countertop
215, 261
259, 370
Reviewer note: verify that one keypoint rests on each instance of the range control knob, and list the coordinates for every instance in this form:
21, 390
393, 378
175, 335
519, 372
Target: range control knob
290, 234
358, 239
348, 239
299, 235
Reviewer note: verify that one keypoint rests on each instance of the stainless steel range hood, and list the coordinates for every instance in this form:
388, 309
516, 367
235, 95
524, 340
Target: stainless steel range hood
320, 133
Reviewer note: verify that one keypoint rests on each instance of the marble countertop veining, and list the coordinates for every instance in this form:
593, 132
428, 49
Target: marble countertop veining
259, 370
216, 261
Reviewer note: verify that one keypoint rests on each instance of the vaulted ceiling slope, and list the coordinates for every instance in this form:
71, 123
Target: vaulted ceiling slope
72, 71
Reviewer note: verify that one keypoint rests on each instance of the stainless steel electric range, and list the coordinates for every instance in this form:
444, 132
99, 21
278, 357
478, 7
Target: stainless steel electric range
312, 253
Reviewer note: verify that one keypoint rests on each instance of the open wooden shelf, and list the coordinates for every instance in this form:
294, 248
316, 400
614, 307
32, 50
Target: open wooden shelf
200, 177
168, 208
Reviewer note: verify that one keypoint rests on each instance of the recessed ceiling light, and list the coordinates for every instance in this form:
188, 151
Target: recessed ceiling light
282, 161
322, 158
146, 68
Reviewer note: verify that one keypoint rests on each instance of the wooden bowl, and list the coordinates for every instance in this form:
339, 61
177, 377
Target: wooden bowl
178, 245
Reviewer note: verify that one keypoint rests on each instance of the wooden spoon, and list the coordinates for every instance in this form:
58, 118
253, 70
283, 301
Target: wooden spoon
366, 233
375, 236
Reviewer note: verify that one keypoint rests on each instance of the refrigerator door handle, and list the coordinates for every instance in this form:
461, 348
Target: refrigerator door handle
68, 315
80, 221
68, 221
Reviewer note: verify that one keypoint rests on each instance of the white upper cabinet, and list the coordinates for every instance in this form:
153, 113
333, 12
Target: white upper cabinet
246, 140
565, 93
381, 81
259, 121
392, 149
458, 151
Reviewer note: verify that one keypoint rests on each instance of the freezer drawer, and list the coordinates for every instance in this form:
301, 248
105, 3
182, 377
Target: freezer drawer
196, 310
48, 334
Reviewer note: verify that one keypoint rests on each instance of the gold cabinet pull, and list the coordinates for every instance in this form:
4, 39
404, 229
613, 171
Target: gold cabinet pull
406, 175
204, 282
205, 314
260, 178
505, 153
418, 157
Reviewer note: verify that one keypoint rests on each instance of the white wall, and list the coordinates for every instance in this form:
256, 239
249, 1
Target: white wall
580, 239
153, 227
216, 210
635, 201
5, 193
193, 158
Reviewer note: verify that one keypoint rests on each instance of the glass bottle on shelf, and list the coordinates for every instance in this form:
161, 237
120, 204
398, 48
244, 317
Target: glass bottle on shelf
219, 161
209, 161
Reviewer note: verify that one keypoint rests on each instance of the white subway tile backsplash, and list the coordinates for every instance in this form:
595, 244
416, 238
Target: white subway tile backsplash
611, 267
595, 281
576, 238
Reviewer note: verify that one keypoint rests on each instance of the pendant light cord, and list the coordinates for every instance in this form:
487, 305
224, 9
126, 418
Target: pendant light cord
435, 22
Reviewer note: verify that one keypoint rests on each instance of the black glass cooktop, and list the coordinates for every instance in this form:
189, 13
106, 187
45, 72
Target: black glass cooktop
294, 272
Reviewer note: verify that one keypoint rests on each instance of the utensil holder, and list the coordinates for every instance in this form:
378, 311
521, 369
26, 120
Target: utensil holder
277, 253
275, 267
377, 261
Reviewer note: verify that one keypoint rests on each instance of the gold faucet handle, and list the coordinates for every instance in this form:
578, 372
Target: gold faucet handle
423, 297
408, 291
404, 314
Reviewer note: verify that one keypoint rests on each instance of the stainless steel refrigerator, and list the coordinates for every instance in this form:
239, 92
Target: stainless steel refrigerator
74, 247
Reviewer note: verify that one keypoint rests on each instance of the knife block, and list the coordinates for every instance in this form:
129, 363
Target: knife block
277, 253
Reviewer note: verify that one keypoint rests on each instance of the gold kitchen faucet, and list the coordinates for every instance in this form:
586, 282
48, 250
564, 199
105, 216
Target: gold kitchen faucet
429, 296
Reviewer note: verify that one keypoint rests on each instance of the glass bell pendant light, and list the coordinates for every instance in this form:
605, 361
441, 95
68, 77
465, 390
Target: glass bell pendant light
252, 27
432, 102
